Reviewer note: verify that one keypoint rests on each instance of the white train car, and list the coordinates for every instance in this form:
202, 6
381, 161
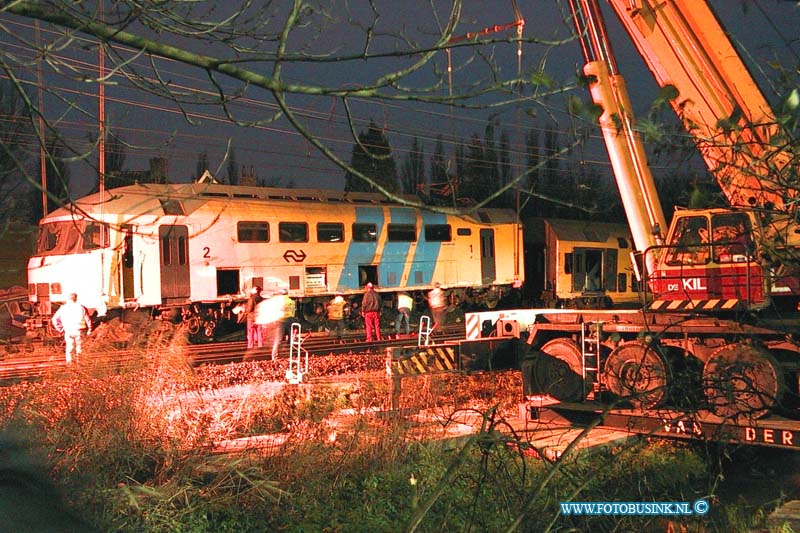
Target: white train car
195, 249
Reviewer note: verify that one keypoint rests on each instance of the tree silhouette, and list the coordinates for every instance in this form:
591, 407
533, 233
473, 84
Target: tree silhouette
372, 157
233, 168
58, 178
413, 170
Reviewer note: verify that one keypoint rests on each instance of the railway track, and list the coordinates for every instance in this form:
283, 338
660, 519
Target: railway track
42, 359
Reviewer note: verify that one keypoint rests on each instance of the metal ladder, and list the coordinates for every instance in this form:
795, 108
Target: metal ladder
423, 339
298, 365
591, 335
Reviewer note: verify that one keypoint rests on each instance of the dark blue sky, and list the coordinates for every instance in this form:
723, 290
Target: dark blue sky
766, 28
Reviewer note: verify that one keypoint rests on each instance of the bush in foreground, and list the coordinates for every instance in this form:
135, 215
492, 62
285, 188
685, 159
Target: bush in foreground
138, 451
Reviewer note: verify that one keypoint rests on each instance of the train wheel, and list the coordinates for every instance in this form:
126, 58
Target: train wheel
560, 373
193, 324
313, 314
637, 372
741, 380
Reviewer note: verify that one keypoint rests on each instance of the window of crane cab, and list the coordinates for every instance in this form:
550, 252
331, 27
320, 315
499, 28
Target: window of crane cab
690, 242
252, 231
330, 232
438, 233
730, 235
292, 232
401, 232
365, 232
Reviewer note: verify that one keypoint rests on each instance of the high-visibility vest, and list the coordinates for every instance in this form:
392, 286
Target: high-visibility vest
289, 307
336, 309
404, 300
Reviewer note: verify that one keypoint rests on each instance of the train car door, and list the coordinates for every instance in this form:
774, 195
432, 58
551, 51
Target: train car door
587, 270
488, 272
174, 252
127, 262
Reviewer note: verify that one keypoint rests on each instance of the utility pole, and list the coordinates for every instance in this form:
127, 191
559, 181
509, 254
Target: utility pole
42, 151
101, 113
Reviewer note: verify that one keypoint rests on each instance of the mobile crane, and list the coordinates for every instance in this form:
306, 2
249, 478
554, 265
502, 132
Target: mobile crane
718, 328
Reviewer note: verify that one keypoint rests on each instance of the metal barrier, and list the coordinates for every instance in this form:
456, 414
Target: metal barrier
298, 364
423, 338
404, 361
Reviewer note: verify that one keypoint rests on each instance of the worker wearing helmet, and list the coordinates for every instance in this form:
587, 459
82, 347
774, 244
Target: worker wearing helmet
371, 310
335, 310
254, 337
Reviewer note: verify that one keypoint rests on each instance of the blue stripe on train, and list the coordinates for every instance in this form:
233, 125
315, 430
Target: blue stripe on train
359, 253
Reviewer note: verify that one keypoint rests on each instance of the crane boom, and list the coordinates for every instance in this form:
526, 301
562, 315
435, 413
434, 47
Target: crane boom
623, 143
684, 45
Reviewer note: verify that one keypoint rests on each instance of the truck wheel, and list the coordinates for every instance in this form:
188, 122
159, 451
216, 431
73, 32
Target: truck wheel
558, 372
742, 381
638, 373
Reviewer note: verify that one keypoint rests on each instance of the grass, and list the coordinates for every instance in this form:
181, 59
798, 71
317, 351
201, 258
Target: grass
133, 451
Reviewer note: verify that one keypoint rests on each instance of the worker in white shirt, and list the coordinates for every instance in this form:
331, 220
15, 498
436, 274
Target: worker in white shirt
72, 319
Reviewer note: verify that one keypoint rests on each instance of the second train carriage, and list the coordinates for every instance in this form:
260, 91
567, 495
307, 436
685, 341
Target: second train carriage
196, 248
579, 263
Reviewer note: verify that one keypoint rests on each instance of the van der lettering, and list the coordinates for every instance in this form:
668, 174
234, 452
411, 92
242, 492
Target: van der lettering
682, 427
783, 437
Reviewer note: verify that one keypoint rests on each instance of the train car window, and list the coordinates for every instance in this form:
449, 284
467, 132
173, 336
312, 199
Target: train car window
568, 263
182, 250
172, 207
622, 243
292, 232
72, 238
330, 232
252, 231
48, 238
610, 269
365, 232
401, 232
166, 251
438, 233
463, 232
95, 236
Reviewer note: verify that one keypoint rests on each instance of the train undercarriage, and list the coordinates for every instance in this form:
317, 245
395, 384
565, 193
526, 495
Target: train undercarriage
210, 321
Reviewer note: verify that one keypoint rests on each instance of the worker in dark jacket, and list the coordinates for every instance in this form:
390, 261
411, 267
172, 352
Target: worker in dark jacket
254, 337
371, 310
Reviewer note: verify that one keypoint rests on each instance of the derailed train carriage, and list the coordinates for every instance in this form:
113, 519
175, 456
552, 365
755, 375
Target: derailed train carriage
579, 264
191, 251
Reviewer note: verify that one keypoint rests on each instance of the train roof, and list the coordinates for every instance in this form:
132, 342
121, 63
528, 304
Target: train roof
183, 198
574, 230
